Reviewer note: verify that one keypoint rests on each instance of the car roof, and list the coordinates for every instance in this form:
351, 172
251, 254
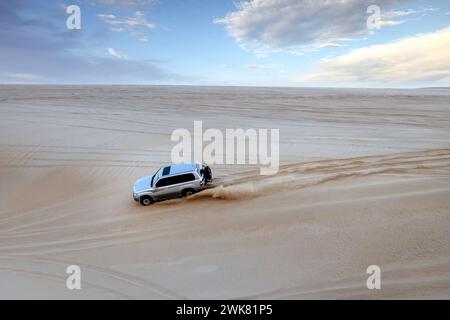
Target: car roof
178, 169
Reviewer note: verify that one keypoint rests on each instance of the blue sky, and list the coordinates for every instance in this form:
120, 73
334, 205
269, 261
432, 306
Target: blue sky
204, 42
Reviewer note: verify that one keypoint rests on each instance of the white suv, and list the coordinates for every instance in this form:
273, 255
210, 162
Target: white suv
173, 181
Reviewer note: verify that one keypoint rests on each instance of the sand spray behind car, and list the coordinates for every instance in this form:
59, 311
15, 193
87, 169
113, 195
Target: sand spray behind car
316, 173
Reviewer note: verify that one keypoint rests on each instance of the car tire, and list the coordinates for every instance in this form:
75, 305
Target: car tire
187, 193
146, 201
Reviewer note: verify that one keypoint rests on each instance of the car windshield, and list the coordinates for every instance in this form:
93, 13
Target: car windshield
153, 178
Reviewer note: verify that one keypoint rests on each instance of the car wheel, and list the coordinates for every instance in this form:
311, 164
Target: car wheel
146, 201
188, 192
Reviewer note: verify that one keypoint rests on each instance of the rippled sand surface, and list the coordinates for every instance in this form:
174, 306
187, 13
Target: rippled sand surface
364, 180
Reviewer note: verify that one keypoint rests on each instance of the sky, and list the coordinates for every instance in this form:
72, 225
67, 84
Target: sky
293, 43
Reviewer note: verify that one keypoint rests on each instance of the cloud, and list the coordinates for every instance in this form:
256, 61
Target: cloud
388, 18
113, 53
403, 13
263, 26
132, 25
386, 23
108, 18
137, 20
417, 60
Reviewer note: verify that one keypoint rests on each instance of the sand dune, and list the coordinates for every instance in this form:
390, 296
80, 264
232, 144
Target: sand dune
364, 179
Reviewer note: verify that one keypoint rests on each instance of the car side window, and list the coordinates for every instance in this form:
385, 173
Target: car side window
166, 171
184, 178
175, 180
162, 183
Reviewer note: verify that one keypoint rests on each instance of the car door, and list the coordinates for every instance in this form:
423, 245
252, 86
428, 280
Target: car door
163, 188
182, 182
176, 186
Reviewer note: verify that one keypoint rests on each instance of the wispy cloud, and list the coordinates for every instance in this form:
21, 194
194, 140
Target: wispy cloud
132, 25
403, 13
421, 59
115, 54
137, 20
391, 18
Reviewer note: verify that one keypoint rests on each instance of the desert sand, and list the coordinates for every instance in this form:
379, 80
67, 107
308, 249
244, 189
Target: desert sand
364, 180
